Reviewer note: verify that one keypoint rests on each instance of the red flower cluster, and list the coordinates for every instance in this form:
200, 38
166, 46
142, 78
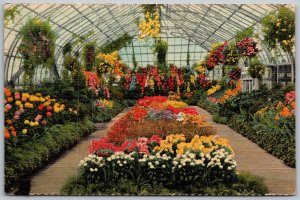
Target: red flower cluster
141, 80
189, 111
216, 57
203, 82
146, 101
139, 113
154, 73
103, 147
248, 47
128, 79
92, 80
235, 74
290, 96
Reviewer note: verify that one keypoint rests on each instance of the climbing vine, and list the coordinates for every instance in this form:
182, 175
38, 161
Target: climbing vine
37, 46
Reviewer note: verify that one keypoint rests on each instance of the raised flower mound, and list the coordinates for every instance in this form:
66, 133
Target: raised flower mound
147, 120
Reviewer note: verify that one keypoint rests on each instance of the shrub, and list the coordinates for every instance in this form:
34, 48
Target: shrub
22, 161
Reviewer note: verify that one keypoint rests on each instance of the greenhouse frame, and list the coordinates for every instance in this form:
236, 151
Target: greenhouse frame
149, 99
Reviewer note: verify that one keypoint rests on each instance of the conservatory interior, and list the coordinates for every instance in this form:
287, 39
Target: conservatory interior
149, 99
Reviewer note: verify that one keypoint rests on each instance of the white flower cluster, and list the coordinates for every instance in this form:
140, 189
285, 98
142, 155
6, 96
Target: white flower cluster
155, 161
220, 158
93, 162
188, 159
180, 116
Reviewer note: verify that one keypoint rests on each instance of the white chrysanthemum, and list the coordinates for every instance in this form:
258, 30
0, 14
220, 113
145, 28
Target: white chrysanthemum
91, 169
175, 162
109, 159
157, 162
163, 166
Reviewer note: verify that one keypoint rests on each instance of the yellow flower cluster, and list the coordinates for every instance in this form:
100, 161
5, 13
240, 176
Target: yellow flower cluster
107, 103
213, 89
58, 107
150, 26
192, 79
176, 104
151, 84
110, 59
200, 69
203, 144
110, 63
167, 144
262, 111
31, 123
195, 119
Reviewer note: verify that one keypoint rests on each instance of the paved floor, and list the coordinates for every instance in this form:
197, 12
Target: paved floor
50, 180
280, 179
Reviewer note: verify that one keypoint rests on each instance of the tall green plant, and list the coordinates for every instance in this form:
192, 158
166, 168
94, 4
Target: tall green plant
88, 55
161, 49
37, 46
256, 69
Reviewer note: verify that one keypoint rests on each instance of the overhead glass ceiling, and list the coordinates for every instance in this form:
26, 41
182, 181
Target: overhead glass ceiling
198, 25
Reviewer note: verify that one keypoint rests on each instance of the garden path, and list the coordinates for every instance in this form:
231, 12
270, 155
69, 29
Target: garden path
50, 180
279, 178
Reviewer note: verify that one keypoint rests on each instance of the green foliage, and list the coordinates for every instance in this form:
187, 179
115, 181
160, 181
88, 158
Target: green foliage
88, 55
22, 161
71, 63
219, 119
256, 69
116, 44
161, 49
267, 136
37, 46
279, 28
10, 14
248, 32
244, 184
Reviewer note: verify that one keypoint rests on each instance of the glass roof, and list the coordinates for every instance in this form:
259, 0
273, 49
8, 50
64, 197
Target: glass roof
198, 25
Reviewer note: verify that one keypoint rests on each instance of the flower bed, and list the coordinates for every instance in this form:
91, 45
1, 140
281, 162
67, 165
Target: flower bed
267, 117
135, 154
25, 159
160, 116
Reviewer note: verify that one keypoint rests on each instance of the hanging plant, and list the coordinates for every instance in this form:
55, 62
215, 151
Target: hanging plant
256, 69
215, 55
89, 56
235, 74
231, 55
247, 47
150, 25
37, 46
279, 28
161, 49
